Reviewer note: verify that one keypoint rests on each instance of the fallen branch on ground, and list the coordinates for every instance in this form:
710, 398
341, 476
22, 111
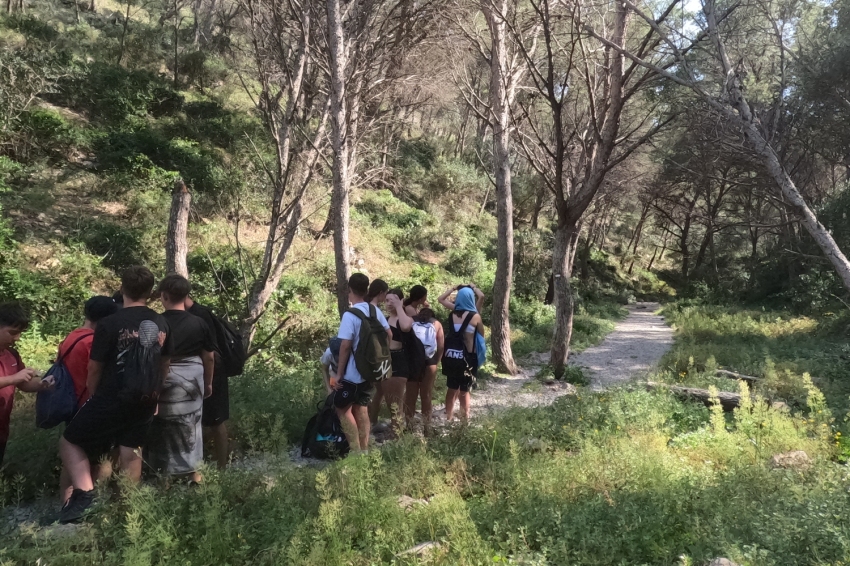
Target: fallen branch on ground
729, 401
734, 375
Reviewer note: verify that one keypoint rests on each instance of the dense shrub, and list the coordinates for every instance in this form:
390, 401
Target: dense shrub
138, 151
118, 246
111, 93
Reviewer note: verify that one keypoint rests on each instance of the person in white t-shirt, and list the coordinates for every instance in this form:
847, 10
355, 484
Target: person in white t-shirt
353, 393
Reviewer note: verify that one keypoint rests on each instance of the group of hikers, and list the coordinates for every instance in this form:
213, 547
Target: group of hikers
393, 359
146, 386
143, 385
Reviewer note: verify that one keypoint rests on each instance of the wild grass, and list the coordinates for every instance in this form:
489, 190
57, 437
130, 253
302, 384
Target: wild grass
620, 477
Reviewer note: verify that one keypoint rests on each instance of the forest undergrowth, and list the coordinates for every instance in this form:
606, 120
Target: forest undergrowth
625, 476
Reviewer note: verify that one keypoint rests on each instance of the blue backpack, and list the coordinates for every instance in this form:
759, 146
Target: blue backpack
59, 405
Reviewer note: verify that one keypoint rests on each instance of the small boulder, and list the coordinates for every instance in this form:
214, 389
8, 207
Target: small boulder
796, 460
722, 562
407, 503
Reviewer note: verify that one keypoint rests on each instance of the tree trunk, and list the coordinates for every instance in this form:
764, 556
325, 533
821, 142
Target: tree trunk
794, 200
176, 246
124, 33
563, 298
500, 100
339, 200
92, 7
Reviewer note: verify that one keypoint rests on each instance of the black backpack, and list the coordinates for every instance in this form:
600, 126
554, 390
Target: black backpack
372, 356
324, 437
454, 355
138, 370
231, 349
417, 360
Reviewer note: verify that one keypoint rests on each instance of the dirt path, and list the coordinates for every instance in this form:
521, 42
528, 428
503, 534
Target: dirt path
635, 347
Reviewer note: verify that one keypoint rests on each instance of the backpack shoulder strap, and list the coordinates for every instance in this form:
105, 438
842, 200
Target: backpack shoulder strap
358, 313
465, 323
373, 312
17, 357
68, 351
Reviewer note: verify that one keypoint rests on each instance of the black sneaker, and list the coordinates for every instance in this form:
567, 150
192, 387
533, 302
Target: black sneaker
76, 506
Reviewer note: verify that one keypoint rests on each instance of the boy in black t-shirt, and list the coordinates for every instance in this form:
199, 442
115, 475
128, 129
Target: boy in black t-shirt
216, 410
129, 360
176, 441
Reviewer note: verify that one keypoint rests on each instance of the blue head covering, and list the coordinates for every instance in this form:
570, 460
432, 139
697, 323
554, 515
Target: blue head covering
465, 300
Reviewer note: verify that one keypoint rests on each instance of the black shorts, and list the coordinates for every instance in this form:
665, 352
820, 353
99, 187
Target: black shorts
102, 424
464, 381
353, 394
217, 405
401, 367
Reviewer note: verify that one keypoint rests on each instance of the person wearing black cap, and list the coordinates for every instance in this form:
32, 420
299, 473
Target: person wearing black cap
75, 351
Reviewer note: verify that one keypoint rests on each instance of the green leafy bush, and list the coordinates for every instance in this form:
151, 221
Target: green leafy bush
111, 93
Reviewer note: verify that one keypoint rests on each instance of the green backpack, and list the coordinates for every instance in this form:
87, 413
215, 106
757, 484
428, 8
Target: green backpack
372, 356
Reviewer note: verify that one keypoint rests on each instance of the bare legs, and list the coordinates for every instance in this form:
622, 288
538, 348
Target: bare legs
361, 417
426, 393
463, 397
355, 425
393, 391
100, 473
76, 465
411, 394
423, 390
375, 405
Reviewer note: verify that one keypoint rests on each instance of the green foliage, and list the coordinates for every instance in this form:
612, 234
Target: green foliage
118, 246
112, 94
9, 168
465, 263
399, 222
143, 152
532, 262
48, 133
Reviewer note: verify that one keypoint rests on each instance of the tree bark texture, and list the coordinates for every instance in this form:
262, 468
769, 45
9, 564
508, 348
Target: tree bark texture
176, 246
339, 123
501, 94
565, 238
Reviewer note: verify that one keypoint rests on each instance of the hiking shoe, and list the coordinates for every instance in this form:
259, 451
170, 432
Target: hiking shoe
76, 506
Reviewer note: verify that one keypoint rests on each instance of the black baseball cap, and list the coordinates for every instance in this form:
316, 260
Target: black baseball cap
99, 307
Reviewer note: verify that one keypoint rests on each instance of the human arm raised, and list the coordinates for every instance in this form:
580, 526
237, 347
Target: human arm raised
405, 321
444, 298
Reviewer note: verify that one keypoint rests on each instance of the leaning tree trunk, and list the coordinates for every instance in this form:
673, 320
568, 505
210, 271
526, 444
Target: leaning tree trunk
794, 199
563, 297
339, 201
500, 100
176, 247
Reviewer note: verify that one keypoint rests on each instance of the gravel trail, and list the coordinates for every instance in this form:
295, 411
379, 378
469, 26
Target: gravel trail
635, 347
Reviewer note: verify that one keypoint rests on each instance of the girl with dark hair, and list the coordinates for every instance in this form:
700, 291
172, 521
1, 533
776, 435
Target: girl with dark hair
418, 299
377, 294
392, 389
422, 388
